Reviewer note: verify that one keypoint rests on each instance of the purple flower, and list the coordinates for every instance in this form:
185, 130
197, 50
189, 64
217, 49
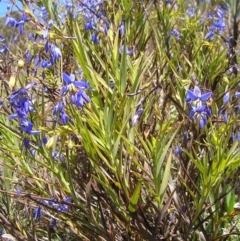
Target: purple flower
209, 35
191, 11
95, 38
194, 95
199, 110
27, 126
57, 156
64, 207
177, 150
80, 98
122, 29
1, 38
225, 118
226, 97
44, 13
220, 12
176, 34
55, 54
88, 25
10, 21
220, 25
26, 143
17, 192
238, 136
136, 116
38, 213
237, 94
4, 48
128, 52
68, 80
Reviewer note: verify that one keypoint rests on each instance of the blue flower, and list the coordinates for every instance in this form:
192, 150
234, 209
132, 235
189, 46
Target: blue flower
176, 34
136, 116
237, 94
177, 150
209, 35
71, 81
64, 207
10, 21
128, 52
55, 54
1, 38
4, 48
44, 13
225, 118
122, 28
88, 25
38, 213
196, 94
95, 38
20, 24
54, 223
226, 97
57, 156
17, 192
218, 25
220, 12
199, 110
26, 143
191, 11
26, 126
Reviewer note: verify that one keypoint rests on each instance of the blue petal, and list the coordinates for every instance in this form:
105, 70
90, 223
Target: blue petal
226, 97
201, 109
205, 96
66, 78
191, 114
191, 96
237, 94
225, 118
197, 91
201, 123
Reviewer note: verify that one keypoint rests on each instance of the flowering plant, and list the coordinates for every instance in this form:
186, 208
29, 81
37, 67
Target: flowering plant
119, 120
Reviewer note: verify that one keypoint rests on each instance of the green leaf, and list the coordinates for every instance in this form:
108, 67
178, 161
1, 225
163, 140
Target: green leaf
165, 179
135, 197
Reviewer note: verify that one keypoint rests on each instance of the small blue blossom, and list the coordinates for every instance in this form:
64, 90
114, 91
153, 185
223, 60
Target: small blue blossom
64, 207
128, 52
176, 34
220, 12
199, 110
209, 35
17, 192
4, 48
177, 150
122, 28
26, 143
10, 21
27, 126
44, 13
38, 213
237, 94
226, 97
95, 38
55, 54
225, 118
191, 11
1, 38
57, 156
136, 116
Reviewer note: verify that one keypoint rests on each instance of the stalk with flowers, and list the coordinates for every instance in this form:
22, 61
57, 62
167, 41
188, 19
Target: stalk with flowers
119, 121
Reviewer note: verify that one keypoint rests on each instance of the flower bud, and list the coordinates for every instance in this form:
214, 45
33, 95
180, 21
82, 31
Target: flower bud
20, 63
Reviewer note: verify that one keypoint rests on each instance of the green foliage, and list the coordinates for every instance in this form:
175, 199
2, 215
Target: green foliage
135, 163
